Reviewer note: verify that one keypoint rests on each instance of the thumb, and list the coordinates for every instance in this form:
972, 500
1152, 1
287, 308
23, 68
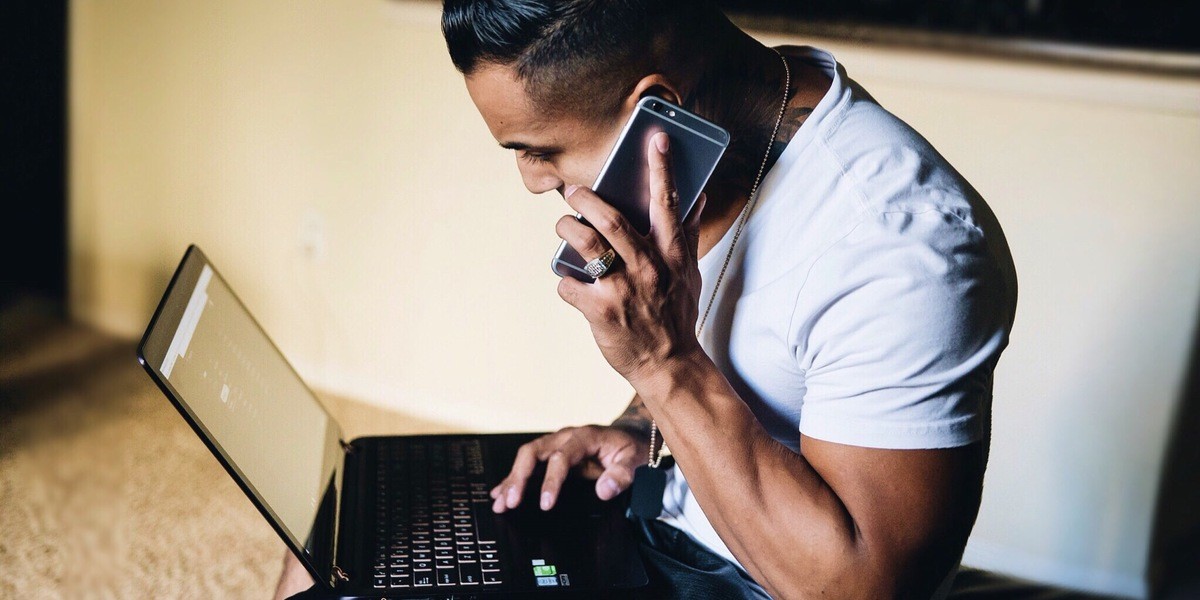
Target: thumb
614, 480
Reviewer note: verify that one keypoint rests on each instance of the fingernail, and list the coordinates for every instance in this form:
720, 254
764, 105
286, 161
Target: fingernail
546, 499
570, 190
610, 489
512, 497
663, 142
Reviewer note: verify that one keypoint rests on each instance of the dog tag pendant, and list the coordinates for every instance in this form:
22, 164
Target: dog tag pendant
649, 484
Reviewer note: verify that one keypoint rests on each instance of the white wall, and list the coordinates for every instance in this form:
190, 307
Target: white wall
237, 125
327, 157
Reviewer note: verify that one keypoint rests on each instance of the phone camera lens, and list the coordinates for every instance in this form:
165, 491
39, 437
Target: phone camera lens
670, 113
654, 105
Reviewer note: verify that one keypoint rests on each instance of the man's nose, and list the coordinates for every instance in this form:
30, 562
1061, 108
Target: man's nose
543, 181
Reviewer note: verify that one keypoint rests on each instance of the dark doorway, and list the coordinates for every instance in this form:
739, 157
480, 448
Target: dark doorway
1175, 544
33, 58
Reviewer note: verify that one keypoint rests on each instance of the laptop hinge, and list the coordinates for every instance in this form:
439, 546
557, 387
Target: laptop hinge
339, 574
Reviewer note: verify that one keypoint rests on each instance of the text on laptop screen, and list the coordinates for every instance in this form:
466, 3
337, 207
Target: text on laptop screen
250, 400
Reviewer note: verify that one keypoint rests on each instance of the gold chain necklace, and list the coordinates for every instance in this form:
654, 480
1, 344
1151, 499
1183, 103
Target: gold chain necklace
655, 458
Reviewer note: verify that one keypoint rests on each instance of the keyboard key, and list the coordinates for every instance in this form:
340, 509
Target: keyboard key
470, 574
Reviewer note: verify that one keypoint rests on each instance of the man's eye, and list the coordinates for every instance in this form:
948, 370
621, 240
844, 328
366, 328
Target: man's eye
535, 157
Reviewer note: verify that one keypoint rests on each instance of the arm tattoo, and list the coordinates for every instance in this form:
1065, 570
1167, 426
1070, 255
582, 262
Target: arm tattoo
635, 419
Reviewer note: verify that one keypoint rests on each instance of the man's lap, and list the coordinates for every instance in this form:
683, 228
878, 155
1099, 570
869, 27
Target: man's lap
680, 567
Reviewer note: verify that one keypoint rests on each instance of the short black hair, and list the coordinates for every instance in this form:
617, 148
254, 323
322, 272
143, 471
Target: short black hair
588, 54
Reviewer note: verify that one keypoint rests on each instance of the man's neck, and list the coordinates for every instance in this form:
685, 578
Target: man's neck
743, 91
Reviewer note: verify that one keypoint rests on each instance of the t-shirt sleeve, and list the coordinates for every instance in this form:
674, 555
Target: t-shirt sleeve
898, 328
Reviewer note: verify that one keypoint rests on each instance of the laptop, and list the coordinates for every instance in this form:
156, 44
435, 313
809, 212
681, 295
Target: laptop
372, 517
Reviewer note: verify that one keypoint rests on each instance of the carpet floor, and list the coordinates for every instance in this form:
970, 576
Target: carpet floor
105, 492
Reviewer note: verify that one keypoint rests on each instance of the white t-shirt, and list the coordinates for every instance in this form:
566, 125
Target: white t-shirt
869, 296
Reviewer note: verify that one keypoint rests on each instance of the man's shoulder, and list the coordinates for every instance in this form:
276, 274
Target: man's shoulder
897, 211
867, 190
887, 165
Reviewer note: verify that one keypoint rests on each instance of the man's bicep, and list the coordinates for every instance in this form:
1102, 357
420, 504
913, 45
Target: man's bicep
912, 509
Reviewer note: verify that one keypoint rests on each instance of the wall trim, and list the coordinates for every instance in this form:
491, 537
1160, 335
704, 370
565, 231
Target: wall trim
1018, 563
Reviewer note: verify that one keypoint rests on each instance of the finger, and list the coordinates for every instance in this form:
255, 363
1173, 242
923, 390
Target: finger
573, 292
691, 227
609, 222
557, 466
508, 493
561, 454
590, 470
664, 200
613, 481
585, 298
585, 240
618, 471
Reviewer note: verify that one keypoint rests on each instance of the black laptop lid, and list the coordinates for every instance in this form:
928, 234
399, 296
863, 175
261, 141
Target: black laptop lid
235, 388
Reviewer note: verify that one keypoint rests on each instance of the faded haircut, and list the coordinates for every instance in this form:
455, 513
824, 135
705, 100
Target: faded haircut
580, 56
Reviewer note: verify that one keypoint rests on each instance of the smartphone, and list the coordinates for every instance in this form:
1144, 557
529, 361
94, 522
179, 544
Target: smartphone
624, 182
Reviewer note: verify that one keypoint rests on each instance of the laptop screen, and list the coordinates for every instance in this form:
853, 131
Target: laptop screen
255, 410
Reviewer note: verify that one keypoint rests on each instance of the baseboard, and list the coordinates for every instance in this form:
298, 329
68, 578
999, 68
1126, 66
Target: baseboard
391, 397
127, 326
1009, 561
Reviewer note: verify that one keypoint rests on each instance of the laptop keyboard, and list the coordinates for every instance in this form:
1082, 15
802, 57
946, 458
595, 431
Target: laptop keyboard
427, 534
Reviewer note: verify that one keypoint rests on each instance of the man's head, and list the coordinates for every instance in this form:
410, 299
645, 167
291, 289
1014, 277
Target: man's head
581, 56
554, 80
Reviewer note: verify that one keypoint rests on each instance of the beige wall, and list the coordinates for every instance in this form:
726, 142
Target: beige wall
327, 157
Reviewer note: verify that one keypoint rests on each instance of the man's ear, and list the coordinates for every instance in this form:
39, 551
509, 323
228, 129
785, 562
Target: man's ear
654, 84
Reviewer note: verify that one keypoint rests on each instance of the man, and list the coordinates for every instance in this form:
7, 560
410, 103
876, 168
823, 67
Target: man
832, 417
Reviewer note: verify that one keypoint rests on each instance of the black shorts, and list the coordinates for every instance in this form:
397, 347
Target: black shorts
680, 567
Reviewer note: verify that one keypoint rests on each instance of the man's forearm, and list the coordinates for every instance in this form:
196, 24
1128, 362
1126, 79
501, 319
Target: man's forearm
771, 508
834, 521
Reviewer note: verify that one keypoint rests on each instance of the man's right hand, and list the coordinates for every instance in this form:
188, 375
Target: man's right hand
605, 453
